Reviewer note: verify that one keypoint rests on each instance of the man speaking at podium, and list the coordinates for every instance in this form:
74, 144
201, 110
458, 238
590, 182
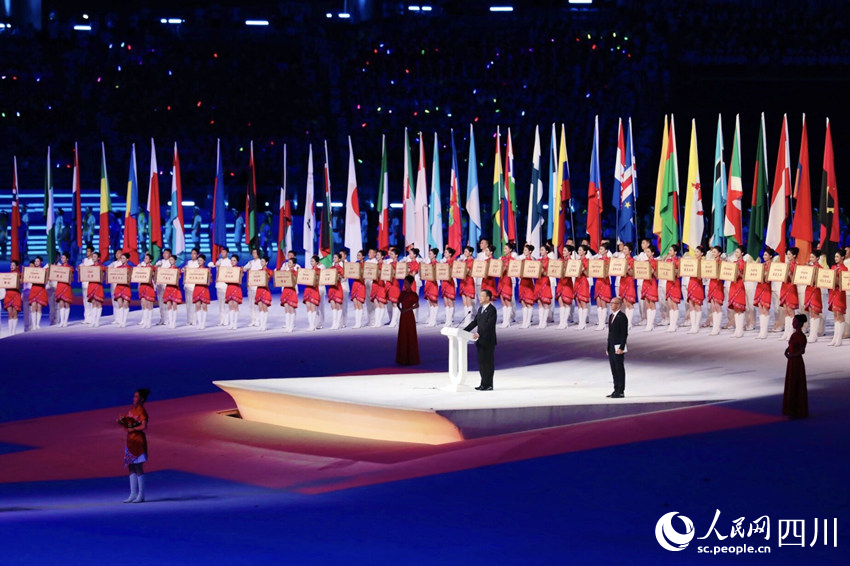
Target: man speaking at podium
485, 339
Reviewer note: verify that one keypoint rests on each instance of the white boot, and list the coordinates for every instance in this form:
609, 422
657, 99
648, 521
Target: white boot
202, 316
379, 317
739, 325
358, 318
13, 325
264, 320
526, 317
838, 334
542, 316
814, 327
36, 320
694, 322
140, 498
396, 317
673, 323
563, 316
96, 312
334, 319
764, 320
311, 320
788, 328
450, 315
630, 314
716, 319
582, 317
290, 322
650, 320
134, 488
846, 330
601, 318
506, 315
433, 310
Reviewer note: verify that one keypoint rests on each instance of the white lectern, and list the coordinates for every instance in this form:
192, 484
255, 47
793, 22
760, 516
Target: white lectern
457, 358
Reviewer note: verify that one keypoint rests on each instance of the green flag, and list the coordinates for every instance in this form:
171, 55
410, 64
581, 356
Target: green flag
48, 213
670, 196
755, 238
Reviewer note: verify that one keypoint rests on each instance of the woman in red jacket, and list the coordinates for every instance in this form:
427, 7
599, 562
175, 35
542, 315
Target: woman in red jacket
147, 293
358, 292
289, 295
789, 299
649, 288
838, 301
12, 301
673, 288
172, 296
762, 295
506, 284
335, 293
378, 296
716, 293
311, 296
432, 289
628, 289
813, 302
696, 294
448, 287
233, 297
37, 298
263, 295
467, 285
64, 294
94, 294
543, 287
564, 290
737, 300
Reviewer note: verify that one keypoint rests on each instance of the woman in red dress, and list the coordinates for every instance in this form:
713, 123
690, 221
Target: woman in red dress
628, 290
94, 293
201, 296
467, 285
135, 421
432, 289
64, 294
289, 296
543, 287
121, 295
311, 297
448, 287
407, 344
795, 400
673, 288
813, 302
761, 297
233, 297
172, 296
564, 290
488, 282
696, 295
506, 284
789, 298
37, 298
12, 301
335, 293
527, 295
649, 288
263, 296
838, 301
378, 296
393, 288
716, 293
602, 290
737, 300
147, 293
358, 292
581, 287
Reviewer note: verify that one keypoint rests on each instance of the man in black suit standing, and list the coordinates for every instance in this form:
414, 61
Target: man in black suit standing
618, 333
485, 339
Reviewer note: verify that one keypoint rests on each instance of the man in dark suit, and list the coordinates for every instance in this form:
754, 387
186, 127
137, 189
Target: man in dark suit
485, 339
618, 333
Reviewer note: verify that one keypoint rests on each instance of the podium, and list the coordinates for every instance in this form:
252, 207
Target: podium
457, 358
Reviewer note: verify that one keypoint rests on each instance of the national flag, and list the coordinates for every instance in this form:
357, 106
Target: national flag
16, 214
76, 206
284, 226
802, 230
510, 208
554, 185
251, 234
455, 227
732, 227
718, 196
755, 235
154, 219
383, 200
496, 204
178, 237
218, 230
105, 207
326, 239
594, 193
778, 215
659, 183
624, 197
631, 168
669, 206
619, 173
353, 233
420, 238
131, 230
309, 230
534, 226
49, 220
435, 211
564, 200
473, 200
694, 221
408, 205
830, 229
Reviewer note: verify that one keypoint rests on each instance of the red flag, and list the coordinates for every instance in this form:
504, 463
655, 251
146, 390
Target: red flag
594, 193
16, 214
801, 229
828, 209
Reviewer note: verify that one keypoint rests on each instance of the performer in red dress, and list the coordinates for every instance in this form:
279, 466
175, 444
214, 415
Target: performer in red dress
813, 302
147, 293
263, 296
135, 421
378, 295
564, 290
602, 289
432, 289
628, 289
762, 295
335, 293
448, 287
64, 295
358, 292
673, 288
737, 300
201, 295
527, 295
37, 298
488, 282
581, 287
311, 297
543, 287
716, 294
172, 296
289, 296
506, 284
838, 300
467, 285
12, 301
407, 343
121, 295
94, 293
795, 399
393, 287
233, 297
789, 299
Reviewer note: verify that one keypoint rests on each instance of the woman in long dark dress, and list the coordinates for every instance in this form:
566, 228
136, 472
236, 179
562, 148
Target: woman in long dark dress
795, 401
407, 346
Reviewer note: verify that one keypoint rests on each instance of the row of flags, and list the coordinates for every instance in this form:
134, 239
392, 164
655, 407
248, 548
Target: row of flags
423, 224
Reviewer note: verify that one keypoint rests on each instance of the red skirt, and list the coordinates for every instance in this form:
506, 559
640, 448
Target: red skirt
527, 292
716, 293
813, 300
38, 294
12, 300
506, 288
543, 290
737, 296
263, 295
564, 290
628, 291
289, 296
335, 294
379, 292
147, 292
602, 289
489, 283
172, 294
837, 301
358, 290
788, 296
64, 293
674, 291
761, 298
467, 287
448, 289
95, 292
122, 292
649, 290
696, 291
432, 291
581, 287
201, 294
393, 292
233, 293
311, 295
